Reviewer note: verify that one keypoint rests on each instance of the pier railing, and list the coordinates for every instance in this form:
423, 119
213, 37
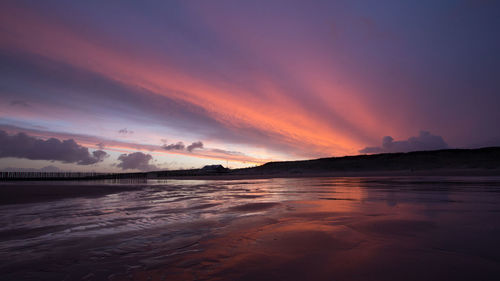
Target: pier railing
17, 176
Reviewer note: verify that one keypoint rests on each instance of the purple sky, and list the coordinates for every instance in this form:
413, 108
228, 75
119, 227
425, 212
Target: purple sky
124, 85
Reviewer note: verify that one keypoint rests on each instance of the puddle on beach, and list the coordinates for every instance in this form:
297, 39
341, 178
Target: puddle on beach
435, 228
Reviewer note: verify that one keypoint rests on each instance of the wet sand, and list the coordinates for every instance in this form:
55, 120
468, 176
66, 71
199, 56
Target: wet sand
276, 229
40, 191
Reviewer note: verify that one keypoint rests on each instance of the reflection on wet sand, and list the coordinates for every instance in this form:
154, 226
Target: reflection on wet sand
294, 229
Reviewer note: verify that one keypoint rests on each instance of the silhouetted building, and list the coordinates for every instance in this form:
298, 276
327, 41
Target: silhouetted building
214, 168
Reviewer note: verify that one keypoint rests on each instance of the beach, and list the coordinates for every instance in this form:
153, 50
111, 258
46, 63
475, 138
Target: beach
357, 228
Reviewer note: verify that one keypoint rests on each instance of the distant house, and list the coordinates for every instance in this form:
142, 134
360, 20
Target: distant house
214, 169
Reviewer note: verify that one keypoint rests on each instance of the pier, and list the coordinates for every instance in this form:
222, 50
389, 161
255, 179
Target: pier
54, 176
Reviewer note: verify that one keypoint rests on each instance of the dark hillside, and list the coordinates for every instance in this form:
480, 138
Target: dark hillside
449, 159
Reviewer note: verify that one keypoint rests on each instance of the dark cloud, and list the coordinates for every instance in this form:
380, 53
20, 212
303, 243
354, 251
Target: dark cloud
174, 146
68, 151
99, 154
19, 103
125, 131
180, 146
100, 145
194, 146
425, 141
136, 161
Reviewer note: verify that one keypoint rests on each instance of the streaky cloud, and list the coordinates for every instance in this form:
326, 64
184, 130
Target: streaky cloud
228, 152
19, 103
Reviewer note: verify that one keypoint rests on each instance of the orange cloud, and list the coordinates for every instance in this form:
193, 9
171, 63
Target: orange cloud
280, 117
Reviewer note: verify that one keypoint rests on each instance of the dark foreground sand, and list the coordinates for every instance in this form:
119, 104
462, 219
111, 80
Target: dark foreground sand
39, 191
267, 229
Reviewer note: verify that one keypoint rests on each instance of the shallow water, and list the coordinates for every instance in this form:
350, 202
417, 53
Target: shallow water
274, 229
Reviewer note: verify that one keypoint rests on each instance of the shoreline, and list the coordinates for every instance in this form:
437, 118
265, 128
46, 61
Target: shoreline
245, 176
345, 174
40, 191
35, 191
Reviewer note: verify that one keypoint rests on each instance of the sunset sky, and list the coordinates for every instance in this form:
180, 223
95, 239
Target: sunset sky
146, 85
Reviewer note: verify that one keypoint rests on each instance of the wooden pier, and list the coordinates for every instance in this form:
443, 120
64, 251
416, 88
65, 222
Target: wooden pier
55, 176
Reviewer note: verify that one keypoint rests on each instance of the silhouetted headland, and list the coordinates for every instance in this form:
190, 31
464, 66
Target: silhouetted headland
447, 162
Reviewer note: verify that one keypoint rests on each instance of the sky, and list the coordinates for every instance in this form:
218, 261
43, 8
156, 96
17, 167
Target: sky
156, 85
